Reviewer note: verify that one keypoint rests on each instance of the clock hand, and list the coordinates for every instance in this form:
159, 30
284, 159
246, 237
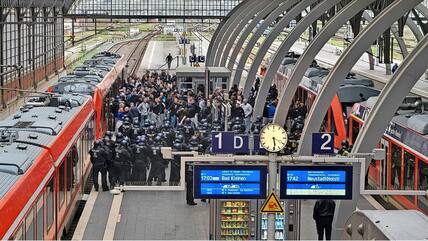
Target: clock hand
274, 144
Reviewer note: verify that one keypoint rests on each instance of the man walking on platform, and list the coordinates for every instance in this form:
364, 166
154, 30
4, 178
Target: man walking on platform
169, 60
323, 216
99, 158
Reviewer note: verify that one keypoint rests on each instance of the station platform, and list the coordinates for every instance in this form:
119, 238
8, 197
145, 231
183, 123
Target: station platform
327, 57
142, 215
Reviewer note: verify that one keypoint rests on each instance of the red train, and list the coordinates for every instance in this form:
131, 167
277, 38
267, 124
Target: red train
405, 140
44, 160
406, 143
43, 165
100, 78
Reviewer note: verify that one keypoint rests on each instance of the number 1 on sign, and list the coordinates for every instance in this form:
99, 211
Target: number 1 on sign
219, 137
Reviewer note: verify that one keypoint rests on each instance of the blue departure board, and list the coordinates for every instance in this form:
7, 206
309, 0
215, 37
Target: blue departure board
230, 182
316, 182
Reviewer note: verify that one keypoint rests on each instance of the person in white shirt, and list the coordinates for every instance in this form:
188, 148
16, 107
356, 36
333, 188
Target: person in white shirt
248, 110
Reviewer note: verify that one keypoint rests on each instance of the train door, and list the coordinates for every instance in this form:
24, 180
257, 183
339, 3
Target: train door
383, 174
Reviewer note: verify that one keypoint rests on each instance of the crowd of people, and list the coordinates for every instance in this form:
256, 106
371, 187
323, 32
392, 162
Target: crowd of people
152, 112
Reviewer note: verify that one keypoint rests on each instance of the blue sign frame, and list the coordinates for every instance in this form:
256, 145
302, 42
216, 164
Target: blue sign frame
327, 179
323, 143
261, 183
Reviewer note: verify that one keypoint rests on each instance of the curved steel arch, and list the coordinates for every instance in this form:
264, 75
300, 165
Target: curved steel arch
392, 95
345, 63
236, 28
289, 41
394, 31
226, 28
222, 27
314, 47
331, 85
282, 24
256, 36
246, 32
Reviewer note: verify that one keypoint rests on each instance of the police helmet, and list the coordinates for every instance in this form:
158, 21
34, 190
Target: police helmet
97, 143
119, 135
106, 140
193, 140
124, 143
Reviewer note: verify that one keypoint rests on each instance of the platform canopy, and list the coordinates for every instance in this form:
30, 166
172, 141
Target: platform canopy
152, 9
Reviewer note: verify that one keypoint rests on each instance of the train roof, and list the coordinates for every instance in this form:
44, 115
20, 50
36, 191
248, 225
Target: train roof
87, 76
24, 135
416, 122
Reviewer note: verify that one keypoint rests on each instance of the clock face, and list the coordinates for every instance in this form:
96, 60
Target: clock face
273, 138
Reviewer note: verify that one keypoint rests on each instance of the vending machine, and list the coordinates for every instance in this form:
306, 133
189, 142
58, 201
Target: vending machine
235, 220
280, 225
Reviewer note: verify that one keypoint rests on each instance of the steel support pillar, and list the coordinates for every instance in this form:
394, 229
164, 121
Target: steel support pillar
19, 45
55, 22
252, 42
222, 28
235, 29
282, 24
314, 47
33, 46
45, 42
268, 8
331, 85
2, 18
315, 13
228, 27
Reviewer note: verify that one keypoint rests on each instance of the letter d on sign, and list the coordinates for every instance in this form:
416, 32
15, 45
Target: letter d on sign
238, 142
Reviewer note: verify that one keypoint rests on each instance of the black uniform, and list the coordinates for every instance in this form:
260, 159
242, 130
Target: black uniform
323, 216
157, 169
139, 172
121, 164
189, 185
99, 158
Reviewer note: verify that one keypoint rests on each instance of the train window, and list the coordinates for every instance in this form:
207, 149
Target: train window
70, 182
29, 225
61, 184
395, 166
423, 185
409, 171
50, 204
39, 219
19, 235
76, 167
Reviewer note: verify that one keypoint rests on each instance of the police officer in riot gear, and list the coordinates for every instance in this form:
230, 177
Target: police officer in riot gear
157, 169
99, 158
174, 176
193, 146
139, 172
121, 162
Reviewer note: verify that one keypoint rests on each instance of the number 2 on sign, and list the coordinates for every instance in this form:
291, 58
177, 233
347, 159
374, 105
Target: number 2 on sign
326, 142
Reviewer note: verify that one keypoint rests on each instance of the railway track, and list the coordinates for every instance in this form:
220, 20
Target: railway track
134, 50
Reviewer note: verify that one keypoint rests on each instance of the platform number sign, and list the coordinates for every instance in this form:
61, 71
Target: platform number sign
228, 142
323, 143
